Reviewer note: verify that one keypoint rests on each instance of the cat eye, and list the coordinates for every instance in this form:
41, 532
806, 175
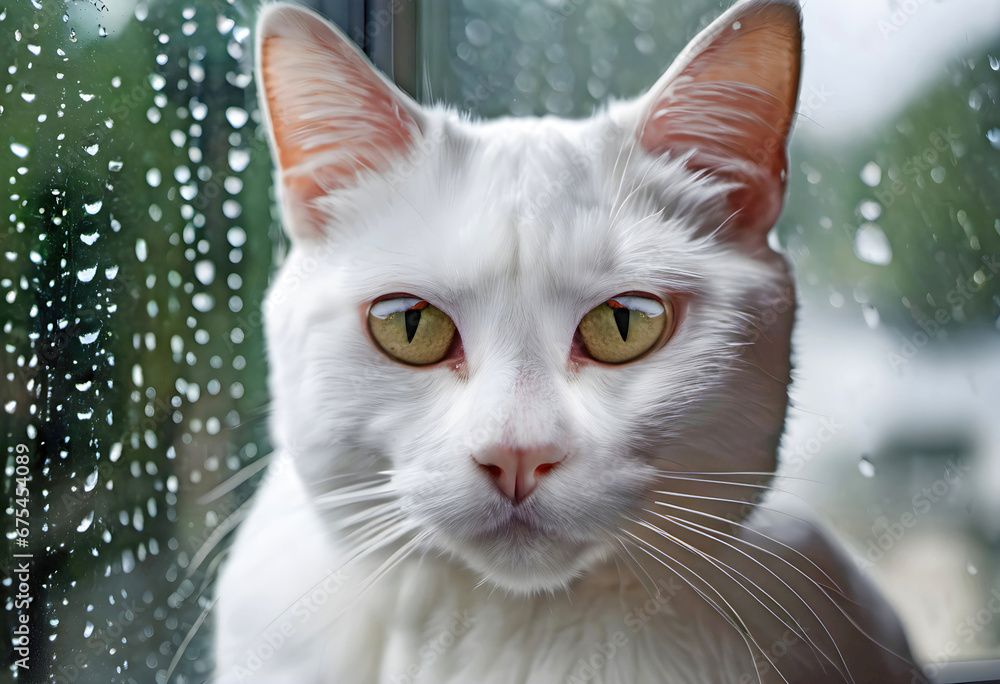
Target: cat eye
411, 330
624, 328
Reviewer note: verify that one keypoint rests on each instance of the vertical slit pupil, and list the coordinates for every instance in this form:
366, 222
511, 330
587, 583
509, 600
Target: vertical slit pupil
412, 320
621, 318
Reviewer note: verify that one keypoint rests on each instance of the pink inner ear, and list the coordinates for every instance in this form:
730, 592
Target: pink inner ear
332, 117
732, 107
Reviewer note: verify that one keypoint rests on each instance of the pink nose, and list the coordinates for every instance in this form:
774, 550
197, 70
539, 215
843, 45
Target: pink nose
517, 471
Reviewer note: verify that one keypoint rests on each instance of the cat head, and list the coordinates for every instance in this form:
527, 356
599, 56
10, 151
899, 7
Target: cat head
510, 340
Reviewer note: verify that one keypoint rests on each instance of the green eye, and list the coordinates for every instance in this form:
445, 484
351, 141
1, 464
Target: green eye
411, 330
624, 328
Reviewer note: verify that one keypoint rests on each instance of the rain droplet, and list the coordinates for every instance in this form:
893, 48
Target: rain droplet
86, 97
34, 49
91, 481
237, 116
993, 135
87, 274
994, 63
238, 160
88, 629
872, 246
93, 208
89, 338
28, 97
90, 238
72, 35
153, 178
866, 467
871, 174
85, 523
101, 31
19, 150
115, 165
970, 568
871, 316
92, 149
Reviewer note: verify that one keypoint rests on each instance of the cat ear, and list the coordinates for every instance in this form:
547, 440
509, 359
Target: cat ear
329, 114
728, 101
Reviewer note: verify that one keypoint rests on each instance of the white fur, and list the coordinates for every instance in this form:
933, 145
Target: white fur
516, 229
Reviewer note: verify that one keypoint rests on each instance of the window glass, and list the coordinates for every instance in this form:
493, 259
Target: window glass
138, 243
141, 233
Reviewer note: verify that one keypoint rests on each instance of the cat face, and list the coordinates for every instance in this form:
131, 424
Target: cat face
504, 340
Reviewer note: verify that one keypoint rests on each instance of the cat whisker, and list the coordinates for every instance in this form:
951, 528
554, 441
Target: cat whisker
816, 649
735, 621
217, 535
234, 481
739, 502
705, 514
721, 565
632, 562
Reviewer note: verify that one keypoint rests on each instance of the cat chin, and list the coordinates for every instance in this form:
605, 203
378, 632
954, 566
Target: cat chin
527, 565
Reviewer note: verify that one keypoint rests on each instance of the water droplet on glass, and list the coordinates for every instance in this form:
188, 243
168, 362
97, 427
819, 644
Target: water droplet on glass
92, 149
19, 150
238, 160
85, 523
88, 629
224, 24
866, 467
972, 569
478, 32
94, 207
101, 31
87, 274
28, 96
870, 210
115, 165
994, 63
153, 178
871, 316
72, 35
34, 49
871, 245
871, 174
86, 97
993, 135
90, 238
237, 116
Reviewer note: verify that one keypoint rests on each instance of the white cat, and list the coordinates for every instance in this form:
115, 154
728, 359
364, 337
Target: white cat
529, 379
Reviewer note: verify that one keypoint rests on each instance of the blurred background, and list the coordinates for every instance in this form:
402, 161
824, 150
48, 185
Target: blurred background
141, 234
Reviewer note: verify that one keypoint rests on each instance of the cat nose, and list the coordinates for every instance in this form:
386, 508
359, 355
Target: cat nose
517, 471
